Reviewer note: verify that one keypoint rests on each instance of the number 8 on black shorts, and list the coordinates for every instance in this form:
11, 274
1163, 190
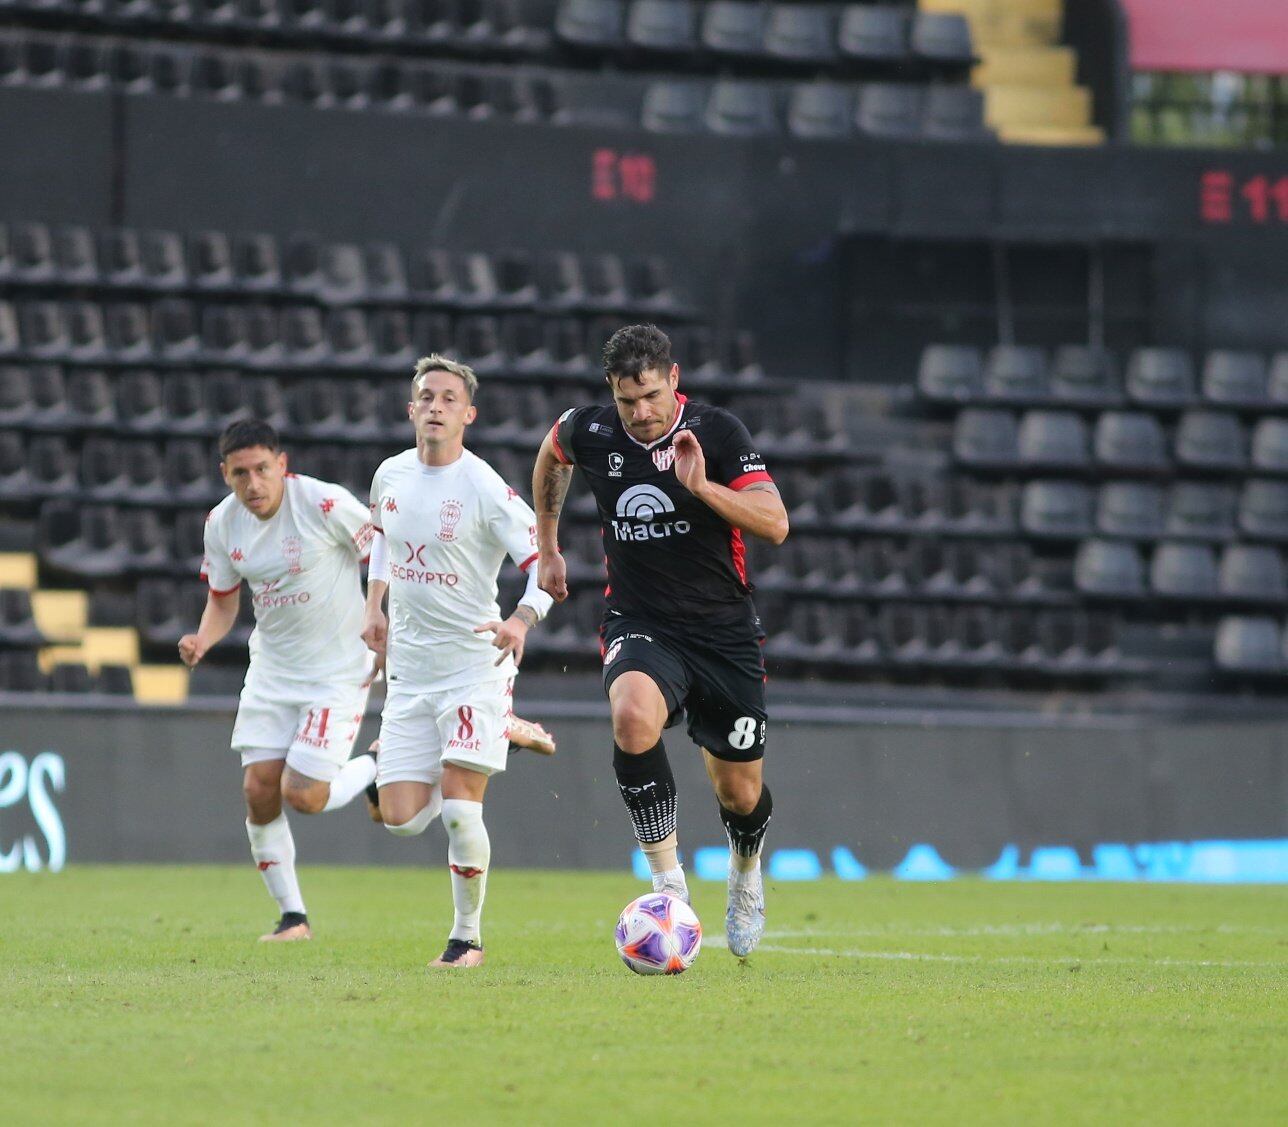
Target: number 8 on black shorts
718, 679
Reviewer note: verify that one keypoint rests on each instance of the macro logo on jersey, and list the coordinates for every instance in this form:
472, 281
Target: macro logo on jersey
450, 515
638, 510
664, 459
292, 551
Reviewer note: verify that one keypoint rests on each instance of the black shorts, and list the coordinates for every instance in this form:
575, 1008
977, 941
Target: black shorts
717, 676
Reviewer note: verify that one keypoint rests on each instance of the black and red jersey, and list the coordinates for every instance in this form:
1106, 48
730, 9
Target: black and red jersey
668, 553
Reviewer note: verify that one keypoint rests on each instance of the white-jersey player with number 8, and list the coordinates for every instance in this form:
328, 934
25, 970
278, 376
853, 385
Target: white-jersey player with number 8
445, 521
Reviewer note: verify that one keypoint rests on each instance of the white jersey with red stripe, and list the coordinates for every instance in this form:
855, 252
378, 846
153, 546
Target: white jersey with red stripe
302, 565
449, 529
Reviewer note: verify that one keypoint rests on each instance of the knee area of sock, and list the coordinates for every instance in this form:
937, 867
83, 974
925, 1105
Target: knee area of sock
739, 799
404, 829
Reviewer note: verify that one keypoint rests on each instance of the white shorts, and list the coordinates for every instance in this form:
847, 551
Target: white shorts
468, 726
312, 727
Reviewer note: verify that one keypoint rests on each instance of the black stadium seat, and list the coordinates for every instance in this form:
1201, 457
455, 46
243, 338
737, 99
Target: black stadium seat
1263, 509
874, 33
1161, 377
801, 33
942, 38
730, 27
1057, 508
1184, 571
1110, 568
1235, 379
667, 26
889, 110
1082, 375
950, 373
1126, 440
1211, 440
953, 113
1053, 439
1270, 445
591, 23
673, 107
741, 109
1249, 645
1253, 572
988, 439
820, 110
1201, 511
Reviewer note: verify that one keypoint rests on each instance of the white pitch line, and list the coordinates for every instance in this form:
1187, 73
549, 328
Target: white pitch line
1022, 930
930, 957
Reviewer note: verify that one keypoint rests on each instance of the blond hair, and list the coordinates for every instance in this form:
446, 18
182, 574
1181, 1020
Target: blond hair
436, 363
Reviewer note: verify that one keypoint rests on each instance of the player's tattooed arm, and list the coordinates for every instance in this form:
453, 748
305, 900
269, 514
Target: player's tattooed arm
526, 615
550, 480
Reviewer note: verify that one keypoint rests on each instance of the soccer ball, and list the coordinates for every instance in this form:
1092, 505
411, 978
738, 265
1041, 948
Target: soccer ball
658, 934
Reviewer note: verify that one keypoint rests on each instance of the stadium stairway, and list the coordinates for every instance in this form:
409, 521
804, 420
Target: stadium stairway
1029, 79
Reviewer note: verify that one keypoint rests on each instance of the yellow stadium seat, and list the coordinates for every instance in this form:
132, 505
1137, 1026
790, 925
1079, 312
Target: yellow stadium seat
18, 569
1071, 135
60, 615
110, 645
1027, 66
160, 684
1015, 23
49, 656
1008, 106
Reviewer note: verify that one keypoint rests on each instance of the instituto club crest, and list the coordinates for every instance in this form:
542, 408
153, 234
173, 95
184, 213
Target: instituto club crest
664, 459
450, 515
292, 550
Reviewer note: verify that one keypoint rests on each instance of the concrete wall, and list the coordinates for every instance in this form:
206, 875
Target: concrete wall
162, 786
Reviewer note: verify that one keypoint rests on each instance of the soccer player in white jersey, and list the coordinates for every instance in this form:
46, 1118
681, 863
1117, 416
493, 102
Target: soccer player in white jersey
444, 523
297, 542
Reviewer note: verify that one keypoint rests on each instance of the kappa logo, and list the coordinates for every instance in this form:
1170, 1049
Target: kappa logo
264, 866
391, 505
326, 506
236, 555
615, 463
664, 459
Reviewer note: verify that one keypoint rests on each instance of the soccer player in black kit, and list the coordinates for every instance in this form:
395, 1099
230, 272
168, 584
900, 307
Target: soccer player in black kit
677, 483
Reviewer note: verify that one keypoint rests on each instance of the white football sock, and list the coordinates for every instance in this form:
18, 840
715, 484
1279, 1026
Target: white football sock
354, 777
420, 822
273, 849
469, 852
662, 856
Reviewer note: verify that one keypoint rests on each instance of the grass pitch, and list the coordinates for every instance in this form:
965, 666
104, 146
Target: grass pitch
139, 994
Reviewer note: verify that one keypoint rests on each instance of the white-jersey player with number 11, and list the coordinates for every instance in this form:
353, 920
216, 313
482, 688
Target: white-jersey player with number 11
444, 523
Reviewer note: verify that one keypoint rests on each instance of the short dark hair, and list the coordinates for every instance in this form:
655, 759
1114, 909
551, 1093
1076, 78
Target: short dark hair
245, 433
634, 350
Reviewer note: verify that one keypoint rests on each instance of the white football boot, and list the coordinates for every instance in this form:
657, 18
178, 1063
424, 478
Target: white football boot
745, 916
672, 882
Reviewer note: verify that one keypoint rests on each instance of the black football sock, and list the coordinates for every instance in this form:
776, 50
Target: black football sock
746, 832
648, 789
